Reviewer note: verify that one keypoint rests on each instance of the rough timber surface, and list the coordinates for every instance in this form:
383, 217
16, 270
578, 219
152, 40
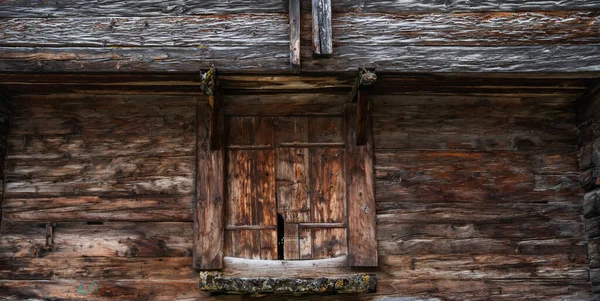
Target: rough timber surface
114, 8
476, 194
275, 59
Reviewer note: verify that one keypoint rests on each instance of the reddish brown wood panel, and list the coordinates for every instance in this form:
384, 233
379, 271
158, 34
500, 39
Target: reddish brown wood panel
243, 243
268, 244
292, 184
209, 212
291, 130
362, 242
250, 131
328, 129
263, 184
238, 206
291, 247
327, 185
328, 243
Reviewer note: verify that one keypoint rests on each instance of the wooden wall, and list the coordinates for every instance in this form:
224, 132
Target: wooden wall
477, 196
254, 36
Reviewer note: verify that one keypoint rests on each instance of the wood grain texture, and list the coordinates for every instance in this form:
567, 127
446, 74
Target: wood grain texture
322, 43
81, 239
362, 243
113, 8
292, 182
209, 219
485, 29
327, 185
291, 242
275, 59
294, 36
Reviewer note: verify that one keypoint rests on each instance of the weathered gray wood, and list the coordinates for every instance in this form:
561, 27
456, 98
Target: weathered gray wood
591, 204
571, 58
322, 42
485, 29
114, 8
362, 242
209, 219
590, 179
199, 32
295, 36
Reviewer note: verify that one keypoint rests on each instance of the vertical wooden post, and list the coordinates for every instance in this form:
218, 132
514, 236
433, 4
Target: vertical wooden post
295, 36
209, 213
362, 113
588, 126
321, 28
362, 241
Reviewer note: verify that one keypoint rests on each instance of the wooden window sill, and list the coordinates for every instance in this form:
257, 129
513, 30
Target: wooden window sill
292, 277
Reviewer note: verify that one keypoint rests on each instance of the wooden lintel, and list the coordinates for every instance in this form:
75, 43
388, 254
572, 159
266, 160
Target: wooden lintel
295, 36
321, 28
364, 79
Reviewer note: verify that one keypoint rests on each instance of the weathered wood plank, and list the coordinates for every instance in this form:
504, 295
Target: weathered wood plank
327, 185
565, 27
105, 106
285, 104
268, 244
291, 244
263, 187
210, 184
457, 59
360, 197
107, 290
292, 182
496, 213
291, 130
98, 268
484, 246
113, 8
329, 243
200, 31
95, 208
326, 129
322, 42
80, 239
295, 36
243, 244
238, 210
275, 58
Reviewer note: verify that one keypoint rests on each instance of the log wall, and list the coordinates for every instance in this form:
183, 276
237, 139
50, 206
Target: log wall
477, 196
250, 36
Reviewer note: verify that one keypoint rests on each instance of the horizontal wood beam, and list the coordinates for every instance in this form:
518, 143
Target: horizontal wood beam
275, 59
114, 8
349, 29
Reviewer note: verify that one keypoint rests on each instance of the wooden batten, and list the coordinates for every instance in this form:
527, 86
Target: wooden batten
322, 42
362, 241
295, 36
208, 215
